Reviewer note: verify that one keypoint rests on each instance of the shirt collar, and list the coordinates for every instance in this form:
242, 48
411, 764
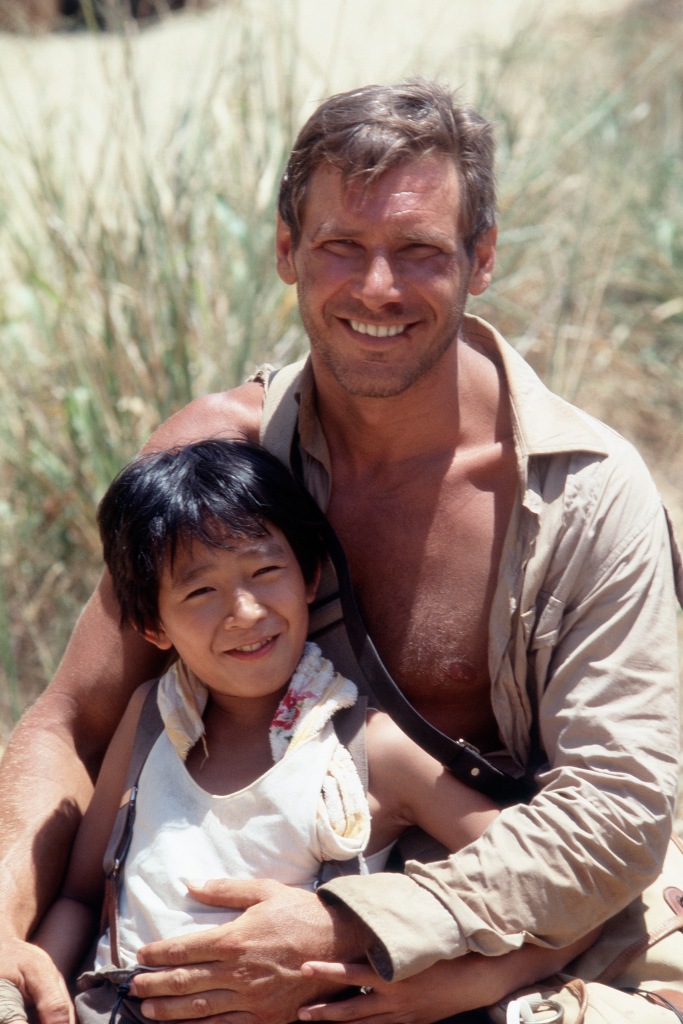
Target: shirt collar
543, 423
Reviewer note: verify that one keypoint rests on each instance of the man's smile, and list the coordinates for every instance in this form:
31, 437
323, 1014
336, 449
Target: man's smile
377, 330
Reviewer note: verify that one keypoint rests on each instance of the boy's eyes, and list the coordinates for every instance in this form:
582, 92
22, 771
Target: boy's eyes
198, 592
267, 569
262, 570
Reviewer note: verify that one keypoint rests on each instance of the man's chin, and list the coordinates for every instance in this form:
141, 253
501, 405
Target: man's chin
372, 380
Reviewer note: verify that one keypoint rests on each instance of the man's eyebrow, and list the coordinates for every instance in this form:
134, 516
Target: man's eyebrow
411, 234
332, 227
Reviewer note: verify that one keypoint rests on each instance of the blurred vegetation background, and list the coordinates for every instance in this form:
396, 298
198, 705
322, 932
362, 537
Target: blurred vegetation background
142, 274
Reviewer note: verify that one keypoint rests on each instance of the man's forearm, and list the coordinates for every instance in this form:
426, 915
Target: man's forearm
351, 938
44, 790
55, 752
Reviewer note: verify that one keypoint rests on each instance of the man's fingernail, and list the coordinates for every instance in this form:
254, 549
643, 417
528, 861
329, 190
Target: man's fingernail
148, 1010
194, 883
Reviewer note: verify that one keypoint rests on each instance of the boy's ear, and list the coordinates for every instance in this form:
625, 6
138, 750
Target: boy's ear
157, 637
312, 587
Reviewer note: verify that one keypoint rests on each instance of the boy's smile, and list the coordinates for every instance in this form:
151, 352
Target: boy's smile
236, 615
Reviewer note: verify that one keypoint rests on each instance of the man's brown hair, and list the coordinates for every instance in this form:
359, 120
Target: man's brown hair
364, 132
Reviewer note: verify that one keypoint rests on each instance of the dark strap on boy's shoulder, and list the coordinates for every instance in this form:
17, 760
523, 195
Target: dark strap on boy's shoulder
149, 727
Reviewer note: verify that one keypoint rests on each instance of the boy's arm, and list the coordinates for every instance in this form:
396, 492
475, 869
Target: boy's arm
407, 786
446, 988
55, 752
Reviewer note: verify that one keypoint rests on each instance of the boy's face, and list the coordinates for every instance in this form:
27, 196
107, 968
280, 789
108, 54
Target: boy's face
239, 617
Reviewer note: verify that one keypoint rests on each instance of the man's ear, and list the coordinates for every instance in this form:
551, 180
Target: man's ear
483, 263
158, 637
284, 252
312, 587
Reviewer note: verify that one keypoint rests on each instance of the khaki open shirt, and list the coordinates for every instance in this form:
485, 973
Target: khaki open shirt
582, 637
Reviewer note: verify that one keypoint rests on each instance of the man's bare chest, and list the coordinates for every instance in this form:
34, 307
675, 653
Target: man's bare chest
424, 561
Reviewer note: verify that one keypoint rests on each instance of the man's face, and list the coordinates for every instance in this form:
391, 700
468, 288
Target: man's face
382, 274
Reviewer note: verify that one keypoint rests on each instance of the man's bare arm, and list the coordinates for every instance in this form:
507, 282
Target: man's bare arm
55, 752
47, 772
233, 414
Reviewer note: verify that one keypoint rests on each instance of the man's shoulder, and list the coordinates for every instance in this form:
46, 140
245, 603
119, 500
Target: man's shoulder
235, 414
619, 461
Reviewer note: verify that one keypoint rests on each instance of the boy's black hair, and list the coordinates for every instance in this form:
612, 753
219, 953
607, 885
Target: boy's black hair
207, 491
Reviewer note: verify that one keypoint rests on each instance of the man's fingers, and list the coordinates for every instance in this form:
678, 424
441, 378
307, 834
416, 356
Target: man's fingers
56, 1008
198, 949
232, 893
188, 994
31, 979
214, 1004
175, 982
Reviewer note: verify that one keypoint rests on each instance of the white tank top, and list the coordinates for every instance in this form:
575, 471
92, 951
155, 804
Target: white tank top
267, 830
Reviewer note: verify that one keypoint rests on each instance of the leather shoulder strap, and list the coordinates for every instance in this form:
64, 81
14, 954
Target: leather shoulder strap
459, 756
148, 729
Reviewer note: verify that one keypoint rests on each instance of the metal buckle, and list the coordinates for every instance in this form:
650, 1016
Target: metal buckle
534, 1010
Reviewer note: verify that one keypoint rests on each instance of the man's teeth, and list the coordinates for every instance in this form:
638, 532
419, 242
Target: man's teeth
248, 648
376, 330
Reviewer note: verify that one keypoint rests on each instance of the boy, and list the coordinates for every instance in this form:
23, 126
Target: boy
215, 552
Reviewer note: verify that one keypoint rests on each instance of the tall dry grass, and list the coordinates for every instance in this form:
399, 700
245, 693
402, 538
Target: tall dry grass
147, 278
131, 282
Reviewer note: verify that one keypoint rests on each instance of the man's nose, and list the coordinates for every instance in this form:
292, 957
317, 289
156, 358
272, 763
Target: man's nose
378, 283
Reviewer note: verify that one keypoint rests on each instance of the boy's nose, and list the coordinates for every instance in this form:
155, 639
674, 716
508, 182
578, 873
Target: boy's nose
246, 608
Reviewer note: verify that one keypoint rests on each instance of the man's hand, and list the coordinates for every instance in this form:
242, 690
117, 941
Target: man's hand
38, 983
250, 968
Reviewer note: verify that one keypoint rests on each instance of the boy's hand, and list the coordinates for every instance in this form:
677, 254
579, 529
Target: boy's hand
31, 979
446, 988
